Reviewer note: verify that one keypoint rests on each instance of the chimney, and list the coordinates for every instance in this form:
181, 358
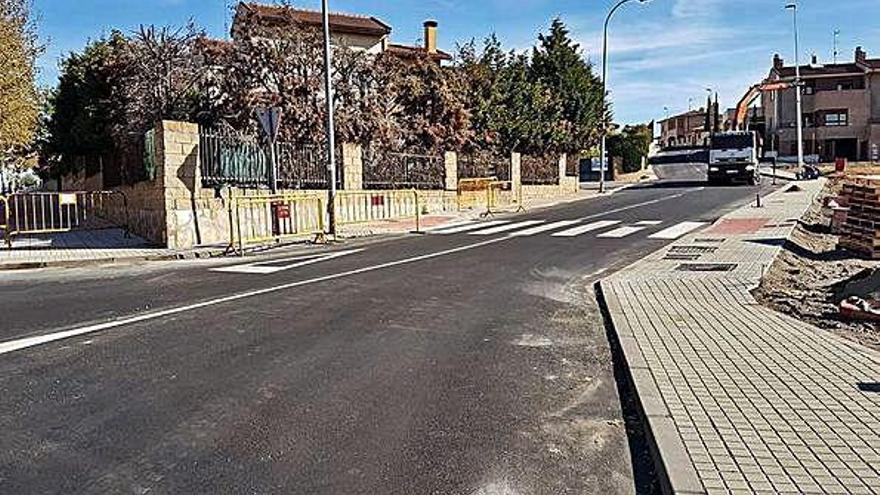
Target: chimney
861, 56
431, 36
778, 63
814, 60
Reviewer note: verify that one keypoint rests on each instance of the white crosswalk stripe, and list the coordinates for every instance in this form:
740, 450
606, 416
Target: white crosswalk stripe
621, 232
456, 229
544, 228
650, 223
677, 230
583, 229
507, 228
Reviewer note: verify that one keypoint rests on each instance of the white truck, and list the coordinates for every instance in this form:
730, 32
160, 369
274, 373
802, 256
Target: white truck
734, 156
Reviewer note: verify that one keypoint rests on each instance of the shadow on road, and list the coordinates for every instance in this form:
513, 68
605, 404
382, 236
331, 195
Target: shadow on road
640, 444
670, 185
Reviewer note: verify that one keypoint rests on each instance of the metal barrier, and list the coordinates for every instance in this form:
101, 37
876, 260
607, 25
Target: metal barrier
492, 194
274, 217
503, 196
4, 217
473, 192
44, 213
354, 207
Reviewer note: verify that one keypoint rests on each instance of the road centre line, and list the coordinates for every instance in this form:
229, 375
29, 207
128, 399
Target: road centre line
33, 341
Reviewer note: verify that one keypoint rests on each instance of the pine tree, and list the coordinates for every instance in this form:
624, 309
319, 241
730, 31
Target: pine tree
557, 63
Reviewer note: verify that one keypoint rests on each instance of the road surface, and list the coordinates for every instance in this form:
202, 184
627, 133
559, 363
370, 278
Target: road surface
471, 360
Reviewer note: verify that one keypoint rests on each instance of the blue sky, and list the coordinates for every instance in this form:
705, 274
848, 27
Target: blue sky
662, 53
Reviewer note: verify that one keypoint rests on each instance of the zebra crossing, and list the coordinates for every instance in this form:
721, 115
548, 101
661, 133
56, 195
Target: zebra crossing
572, 228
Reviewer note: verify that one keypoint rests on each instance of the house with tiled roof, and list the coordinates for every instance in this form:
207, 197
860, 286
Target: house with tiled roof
841, 109
357, 32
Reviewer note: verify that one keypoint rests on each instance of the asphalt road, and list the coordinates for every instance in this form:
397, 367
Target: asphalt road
459, 363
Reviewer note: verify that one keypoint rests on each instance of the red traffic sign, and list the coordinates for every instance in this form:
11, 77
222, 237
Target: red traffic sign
282, 210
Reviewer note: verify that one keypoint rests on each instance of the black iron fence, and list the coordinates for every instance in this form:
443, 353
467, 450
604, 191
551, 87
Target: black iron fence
396, 170
540, 170
232, 159
242, 160
304, 166
478, 165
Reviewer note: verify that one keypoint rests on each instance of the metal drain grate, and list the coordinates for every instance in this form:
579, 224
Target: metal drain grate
692, 249
710, 240
682, 257
706, 267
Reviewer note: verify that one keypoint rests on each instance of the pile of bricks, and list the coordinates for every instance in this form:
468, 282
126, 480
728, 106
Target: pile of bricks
860, 232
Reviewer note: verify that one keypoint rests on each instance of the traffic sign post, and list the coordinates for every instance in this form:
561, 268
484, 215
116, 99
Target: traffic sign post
270, 121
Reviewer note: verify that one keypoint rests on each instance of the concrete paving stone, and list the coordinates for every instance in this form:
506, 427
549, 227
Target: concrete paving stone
740, 384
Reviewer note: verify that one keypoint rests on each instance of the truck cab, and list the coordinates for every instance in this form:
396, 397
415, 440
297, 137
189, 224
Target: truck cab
733, 156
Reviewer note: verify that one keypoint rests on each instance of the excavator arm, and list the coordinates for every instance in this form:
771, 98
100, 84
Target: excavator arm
742, 108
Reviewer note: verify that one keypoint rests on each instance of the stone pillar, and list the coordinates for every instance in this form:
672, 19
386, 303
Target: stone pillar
179, 177
563, 161
352, 167
450, 159
516, 171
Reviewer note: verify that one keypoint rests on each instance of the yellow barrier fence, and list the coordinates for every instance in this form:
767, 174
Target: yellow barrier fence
502, 196
473, 192
4, 217
274, 217
45, 212
354, 207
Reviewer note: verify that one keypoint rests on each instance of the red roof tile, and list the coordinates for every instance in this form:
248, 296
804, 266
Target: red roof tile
340, 23
416, 51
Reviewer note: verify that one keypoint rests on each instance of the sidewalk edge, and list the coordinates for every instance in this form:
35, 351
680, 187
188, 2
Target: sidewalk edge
675, 472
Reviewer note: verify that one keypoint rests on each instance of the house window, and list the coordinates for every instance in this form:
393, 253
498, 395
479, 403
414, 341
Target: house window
837, 118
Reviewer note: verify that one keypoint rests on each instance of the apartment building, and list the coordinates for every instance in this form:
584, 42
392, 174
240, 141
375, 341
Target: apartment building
686, 129
840, 110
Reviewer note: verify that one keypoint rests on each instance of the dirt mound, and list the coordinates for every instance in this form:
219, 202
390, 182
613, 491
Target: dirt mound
811, 277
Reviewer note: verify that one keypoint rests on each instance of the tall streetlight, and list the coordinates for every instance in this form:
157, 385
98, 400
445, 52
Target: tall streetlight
604, 128
797, 87
331, 128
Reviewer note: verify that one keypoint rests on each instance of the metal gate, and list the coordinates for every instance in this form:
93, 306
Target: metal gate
45, 213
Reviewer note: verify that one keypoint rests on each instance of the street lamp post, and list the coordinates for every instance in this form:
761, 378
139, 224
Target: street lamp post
604, 128
797, 86
331, 128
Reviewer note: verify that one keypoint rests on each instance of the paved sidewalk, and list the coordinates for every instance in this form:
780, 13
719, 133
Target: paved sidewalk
76, 247
739, 398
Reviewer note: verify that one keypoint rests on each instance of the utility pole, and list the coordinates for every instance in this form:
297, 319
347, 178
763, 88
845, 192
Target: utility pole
797, 86
331, 128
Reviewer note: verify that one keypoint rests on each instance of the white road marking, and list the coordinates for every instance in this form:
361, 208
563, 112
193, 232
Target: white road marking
507, 228
24, 343
27, 342
544, 228
260, 267
649, 222
467, 227
677, 231
621, 232
583, 229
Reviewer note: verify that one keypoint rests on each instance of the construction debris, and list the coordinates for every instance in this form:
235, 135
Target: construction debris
812, 276
856, 308
860, 230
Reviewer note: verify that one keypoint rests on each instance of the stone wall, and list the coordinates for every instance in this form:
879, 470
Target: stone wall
175, 211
